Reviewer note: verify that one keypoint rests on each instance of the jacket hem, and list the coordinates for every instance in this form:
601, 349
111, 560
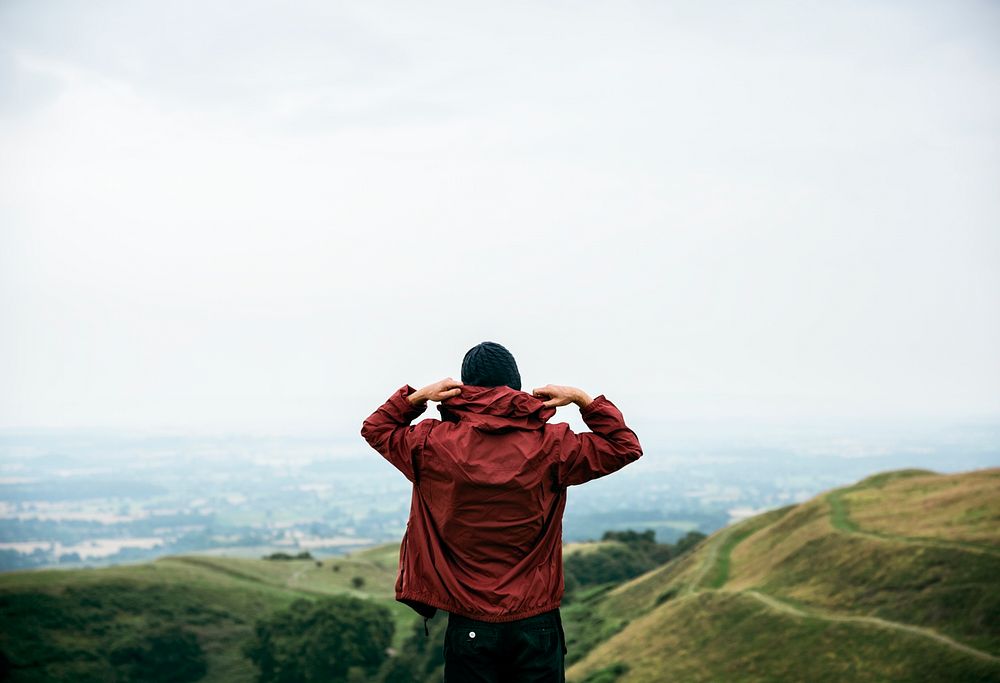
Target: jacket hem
410, 596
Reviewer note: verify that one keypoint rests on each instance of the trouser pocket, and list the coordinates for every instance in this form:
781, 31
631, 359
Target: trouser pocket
472, 652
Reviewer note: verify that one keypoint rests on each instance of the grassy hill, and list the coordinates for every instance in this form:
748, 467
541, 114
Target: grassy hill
896, 578
59, 624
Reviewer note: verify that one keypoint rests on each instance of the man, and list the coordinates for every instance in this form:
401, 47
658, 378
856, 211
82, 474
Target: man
484, 537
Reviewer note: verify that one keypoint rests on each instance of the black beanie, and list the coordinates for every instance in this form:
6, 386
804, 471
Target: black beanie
490, 365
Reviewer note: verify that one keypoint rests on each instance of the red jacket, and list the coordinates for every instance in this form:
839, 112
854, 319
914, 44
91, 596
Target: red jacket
484, 538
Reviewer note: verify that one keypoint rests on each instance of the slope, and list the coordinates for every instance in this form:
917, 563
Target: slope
56, 620
894, 578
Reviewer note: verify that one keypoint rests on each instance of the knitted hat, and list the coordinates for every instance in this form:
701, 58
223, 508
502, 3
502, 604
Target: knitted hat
490, 365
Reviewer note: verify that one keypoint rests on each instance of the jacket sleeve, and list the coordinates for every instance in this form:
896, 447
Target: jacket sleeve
609, 446
388, 431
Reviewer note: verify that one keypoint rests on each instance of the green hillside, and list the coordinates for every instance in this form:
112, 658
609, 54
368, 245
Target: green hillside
60, 625
896, 578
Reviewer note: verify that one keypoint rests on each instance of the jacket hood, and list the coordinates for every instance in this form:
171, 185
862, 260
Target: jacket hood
495, 409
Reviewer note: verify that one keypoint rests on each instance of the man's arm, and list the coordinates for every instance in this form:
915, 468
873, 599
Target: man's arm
609, 446
388, 429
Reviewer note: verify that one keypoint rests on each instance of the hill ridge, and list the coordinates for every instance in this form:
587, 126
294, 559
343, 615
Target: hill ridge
770, 552
841, 520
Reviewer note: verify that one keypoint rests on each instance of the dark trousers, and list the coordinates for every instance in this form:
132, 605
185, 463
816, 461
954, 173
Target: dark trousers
527, 650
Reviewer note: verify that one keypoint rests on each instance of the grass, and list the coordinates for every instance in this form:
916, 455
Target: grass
587, 622
839, 516
64, 621
720, 636
830, 580
63, 632
608, 674
587, 547
792, 594
958, 510
718, 575
385, 556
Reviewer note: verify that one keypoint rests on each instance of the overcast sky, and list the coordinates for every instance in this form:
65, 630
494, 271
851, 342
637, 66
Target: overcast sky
267, 216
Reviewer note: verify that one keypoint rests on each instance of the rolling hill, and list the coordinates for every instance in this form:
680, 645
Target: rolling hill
896, 578
60, 624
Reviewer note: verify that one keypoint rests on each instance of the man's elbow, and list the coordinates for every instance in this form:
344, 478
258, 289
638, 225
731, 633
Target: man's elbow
369, 433
627, 453
635, 451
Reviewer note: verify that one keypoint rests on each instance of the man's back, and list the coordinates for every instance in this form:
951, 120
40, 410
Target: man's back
484, 538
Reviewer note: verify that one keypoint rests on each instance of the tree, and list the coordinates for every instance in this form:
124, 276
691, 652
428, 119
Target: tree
689, 541
421, 657
629, 554
166, 653
321, 641
631, 537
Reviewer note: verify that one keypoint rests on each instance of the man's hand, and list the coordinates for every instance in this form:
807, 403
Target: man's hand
438, 391
562, 396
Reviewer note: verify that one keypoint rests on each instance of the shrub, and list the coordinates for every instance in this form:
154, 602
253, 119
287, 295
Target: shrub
608, 674
632, 554
321, 641
169, 654
304, 555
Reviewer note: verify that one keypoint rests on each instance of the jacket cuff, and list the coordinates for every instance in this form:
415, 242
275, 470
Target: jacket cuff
401, 408
594, 404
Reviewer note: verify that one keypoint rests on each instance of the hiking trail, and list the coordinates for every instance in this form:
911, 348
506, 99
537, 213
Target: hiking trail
718, 555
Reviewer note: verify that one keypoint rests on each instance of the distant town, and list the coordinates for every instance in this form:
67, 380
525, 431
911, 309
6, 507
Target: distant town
91, 499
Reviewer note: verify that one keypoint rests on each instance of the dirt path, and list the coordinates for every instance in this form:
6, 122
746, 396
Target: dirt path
840, 518
843, 523
717, 556
295, 577
711, 557
719, 545
776, 604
